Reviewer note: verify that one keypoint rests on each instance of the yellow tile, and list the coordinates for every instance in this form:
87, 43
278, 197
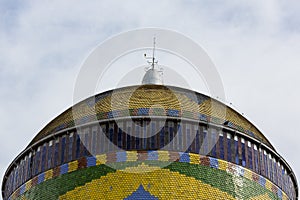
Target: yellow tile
48, 174
194, 158
222, 165
73, 166
23, 197
163, 155
101, 159
28, 185
131, 156
284, 197
248, 174
269, 184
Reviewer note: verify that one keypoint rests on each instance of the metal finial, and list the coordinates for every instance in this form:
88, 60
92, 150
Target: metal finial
153, 75
152, 62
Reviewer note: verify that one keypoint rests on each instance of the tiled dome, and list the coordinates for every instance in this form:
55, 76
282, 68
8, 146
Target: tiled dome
170, 101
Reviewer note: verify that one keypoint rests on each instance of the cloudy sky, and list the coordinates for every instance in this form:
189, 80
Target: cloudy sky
255, 46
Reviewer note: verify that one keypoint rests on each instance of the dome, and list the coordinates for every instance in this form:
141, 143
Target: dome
149, 141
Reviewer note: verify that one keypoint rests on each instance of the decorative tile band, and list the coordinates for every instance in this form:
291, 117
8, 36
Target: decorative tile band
163, 156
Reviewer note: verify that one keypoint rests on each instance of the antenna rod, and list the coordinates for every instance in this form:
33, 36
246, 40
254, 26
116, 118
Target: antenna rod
152, 62
153, 58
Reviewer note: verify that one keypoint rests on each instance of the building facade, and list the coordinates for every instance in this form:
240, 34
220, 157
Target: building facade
150, 142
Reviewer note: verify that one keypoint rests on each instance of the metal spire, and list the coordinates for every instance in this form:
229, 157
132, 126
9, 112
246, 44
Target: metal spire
152, 76
153, 56
152, 62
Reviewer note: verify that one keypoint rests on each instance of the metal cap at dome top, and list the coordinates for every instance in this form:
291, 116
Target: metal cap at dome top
152, 76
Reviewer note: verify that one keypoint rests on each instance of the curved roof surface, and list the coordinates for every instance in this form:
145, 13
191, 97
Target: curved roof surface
151, 100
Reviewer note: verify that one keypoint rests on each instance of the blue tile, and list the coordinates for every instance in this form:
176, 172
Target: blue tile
184, 157
115, 113
121, 156
110, 115
143, 111
64, 169
203, 117
152, 155
141, 194
262, 181
214, 163
22, 189
91, 161
41, 178
240, 171
173, 113
279, 193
